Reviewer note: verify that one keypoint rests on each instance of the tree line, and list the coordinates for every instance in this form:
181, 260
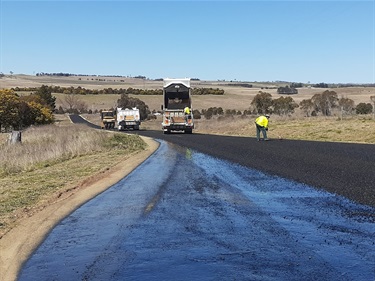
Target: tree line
342, 85
325, 102
64, 74
319, 104
110, 91
17, 112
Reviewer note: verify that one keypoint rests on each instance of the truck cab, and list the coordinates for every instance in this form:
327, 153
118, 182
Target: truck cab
108, 119
177, 110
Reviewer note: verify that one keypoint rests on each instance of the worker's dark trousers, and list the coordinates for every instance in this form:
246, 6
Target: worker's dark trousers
263, 130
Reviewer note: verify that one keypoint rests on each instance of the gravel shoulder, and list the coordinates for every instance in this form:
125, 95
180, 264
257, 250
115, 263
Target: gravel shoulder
18, 243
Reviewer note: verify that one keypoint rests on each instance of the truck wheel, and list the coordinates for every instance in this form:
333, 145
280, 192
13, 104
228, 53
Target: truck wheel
188, 131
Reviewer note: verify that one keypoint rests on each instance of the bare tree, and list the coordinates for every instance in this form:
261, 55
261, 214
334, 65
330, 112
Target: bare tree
81, 106
72, 104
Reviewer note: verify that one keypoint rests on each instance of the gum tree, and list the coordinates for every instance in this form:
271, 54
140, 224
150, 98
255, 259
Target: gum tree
262, 102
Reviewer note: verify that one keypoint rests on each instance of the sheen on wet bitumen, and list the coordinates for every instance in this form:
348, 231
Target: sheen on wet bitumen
346, 169
185, 215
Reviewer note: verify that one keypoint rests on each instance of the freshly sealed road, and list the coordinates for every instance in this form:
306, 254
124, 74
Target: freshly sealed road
187, 213
343, 168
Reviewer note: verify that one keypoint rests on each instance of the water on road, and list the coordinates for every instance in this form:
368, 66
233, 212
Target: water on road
184, 215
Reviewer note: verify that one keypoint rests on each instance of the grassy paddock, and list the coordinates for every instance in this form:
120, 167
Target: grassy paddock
53, 158
358, 129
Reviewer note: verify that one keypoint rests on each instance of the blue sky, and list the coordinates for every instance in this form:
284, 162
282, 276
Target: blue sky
299, 41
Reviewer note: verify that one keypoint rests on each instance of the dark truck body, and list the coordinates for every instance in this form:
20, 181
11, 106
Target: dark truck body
177, 96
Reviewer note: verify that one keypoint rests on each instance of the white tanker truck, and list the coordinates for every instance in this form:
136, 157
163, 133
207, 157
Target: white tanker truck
128, 118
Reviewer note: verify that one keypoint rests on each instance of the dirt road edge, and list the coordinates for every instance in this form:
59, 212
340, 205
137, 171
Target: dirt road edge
19, 243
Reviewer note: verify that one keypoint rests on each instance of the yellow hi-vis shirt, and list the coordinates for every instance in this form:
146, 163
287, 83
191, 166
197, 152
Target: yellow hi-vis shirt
262, 121
187, 110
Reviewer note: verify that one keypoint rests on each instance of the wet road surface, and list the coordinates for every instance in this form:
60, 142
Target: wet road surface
185, 215
346, 169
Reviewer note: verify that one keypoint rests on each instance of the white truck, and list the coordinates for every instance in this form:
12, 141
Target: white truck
128, 118
177, 111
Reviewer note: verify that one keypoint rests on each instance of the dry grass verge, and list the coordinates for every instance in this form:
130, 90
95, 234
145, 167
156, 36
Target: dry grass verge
52, 160
357, 129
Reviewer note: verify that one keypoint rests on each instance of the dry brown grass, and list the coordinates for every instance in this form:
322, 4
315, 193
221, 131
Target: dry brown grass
46, 144
52, 158
357, 129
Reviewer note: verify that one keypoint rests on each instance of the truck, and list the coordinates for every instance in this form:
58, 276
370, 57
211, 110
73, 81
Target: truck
128, 118
177, 107
108, 119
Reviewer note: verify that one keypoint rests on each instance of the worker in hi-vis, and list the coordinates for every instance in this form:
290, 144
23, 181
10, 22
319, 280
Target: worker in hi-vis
262, 126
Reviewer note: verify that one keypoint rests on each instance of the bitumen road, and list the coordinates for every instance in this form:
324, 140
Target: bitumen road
346, 169
206, 207
186, 215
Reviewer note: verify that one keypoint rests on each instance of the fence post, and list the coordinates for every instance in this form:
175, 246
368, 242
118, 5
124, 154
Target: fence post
373, 107
15, 137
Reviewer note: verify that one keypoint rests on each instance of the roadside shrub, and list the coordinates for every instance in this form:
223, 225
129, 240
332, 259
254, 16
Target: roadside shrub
207, 113
207, 91
196, 114
363, 108
287, 91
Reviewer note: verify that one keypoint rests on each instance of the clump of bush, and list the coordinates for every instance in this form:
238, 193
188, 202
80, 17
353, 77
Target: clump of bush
20, 112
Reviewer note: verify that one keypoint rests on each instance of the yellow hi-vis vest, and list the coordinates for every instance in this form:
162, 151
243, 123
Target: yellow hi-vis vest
187, 110
262, 121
